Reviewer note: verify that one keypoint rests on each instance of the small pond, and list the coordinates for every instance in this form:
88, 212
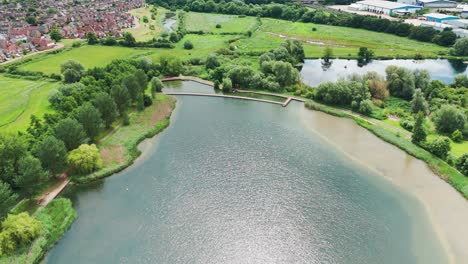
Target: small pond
314, 72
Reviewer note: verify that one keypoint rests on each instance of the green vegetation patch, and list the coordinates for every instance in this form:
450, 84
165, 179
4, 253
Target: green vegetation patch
88, 56
56, 218
120, 149
228, 23
19, 99
344, 41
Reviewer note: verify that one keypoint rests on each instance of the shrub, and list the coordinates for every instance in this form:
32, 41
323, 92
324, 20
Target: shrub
188, 45
407, 124
440, 147
462, 164
448, 119
18, 230
457, 136
227, 85
314, 29
365, 107
218, 26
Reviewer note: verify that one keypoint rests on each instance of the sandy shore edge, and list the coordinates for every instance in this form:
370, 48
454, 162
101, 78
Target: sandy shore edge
446, 209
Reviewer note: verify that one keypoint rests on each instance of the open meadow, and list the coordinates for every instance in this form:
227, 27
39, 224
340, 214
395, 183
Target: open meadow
146, 31
89, 56
19, 99
344, 41
229, 23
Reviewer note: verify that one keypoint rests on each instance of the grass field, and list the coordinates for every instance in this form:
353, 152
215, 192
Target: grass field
89, 56
229, 23
19, 99
146, 31
344, 41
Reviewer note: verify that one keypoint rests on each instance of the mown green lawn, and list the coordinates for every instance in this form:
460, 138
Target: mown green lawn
229, 23
89, 56
19, 99
344, 41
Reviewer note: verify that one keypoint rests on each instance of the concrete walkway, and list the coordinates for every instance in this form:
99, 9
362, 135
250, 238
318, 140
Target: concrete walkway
227, 96
46, 197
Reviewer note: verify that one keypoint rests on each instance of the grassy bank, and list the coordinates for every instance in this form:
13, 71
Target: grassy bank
21, 98
56, 218
120, 149
440, 167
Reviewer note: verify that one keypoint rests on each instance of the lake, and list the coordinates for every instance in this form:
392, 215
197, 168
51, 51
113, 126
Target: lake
235, 181
314, 73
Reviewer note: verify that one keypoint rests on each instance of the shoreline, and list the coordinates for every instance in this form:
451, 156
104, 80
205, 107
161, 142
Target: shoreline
445, 209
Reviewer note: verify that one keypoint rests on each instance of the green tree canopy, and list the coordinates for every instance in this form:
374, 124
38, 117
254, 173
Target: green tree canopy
90, 118
106, 106
85, 159
71, 132
91, 37
418, 103
52, 153
7, 198
448, 119
419, 134
18, 230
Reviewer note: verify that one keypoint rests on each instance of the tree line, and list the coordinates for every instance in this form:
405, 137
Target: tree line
294, 11
422, 101
88, 103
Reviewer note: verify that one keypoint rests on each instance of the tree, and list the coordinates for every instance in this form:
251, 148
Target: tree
457, 136
188, 45
107, 107
460, 48
121, 97
448, 119
376, 85
91, 37
461, 80
400, 82
227, 85
421, 79
212, 62
462, 164
85, 159
90, 118
445, 38
132, 85
55, 35
418, 103
53, 154
71, 132
440, 147
7, 198
365, 107
419, 134
365, 54
72, 71
327, 54
156, 86
285, 73
142, 80
17, 231
129, 40
30, 174
71, 76
12, 149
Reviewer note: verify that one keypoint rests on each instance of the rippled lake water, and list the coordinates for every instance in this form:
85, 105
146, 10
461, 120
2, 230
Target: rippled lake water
234, 181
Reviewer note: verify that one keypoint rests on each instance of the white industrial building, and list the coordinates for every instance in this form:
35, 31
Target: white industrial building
385, 7
436, 3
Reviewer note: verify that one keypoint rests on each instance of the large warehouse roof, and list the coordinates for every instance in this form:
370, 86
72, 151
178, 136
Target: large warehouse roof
385, 4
